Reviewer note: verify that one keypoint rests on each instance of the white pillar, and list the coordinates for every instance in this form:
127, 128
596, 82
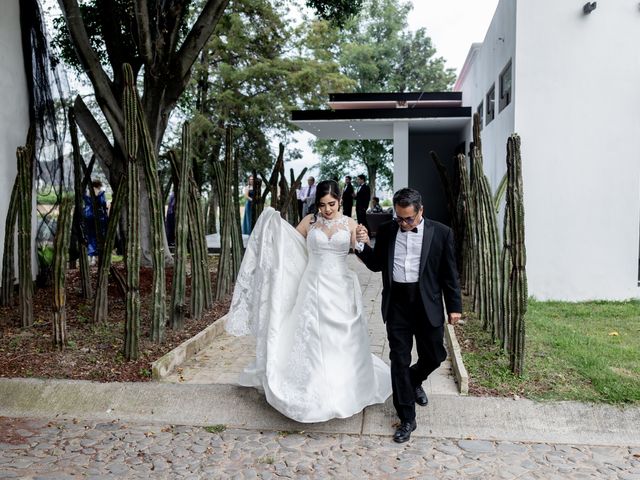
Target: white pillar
400, 155
14, 113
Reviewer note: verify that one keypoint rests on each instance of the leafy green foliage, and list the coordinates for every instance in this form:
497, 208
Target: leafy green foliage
256, 68
380, 54
336, 11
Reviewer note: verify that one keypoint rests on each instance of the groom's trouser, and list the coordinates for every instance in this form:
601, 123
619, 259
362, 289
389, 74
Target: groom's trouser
406, 321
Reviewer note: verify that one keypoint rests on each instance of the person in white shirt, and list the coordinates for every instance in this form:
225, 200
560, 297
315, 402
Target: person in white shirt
308, 197
417, 259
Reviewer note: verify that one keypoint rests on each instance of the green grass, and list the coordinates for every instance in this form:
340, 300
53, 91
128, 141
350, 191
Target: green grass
574, 351
215, 428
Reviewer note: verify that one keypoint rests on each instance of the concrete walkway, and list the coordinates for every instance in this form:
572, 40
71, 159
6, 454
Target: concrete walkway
225, 358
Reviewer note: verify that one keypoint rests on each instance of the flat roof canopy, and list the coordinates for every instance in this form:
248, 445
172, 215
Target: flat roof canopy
371, 116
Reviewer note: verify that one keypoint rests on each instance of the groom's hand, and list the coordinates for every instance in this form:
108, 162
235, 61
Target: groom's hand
454, 318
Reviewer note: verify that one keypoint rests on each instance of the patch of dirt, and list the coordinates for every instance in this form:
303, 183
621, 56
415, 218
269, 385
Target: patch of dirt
94, 352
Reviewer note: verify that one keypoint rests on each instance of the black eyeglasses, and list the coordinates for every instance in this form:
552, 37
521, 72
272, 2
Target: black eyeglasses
407, 220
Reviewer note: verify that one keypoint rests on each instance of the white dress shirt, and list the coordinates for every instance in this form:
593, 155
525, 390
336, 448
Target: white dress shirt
406, 258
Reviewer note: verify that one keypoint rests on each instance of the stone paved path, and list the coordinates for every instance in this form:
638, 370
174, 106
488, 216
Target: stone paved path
60, 449
225, 358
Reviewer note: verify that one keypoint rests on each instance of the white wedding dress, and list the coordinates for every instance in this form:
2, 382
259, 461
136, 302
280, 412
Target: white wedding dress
304, 306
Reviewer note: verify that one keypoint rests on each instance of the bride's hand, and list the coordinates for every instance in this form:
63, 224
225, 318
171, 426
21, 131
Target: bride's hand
361, 234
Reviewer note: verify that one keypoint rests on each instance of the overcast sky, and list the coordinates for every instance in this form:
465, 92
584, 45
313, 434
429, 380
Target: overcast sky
453, 26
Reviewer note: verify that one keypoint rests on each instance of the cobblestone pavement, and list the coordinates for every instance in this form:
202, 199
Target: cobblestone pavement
59, 449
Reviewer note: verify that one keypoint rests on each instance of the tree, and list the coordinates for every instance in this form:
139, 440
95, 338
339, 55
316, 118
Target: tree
380, 54
251, 75
161, 39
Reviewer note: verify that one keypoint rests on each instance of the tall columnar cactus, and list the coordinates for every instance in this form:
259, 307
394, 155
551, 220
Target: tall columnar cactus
224, 176
199, 241
467, 218
100, 306
488, 242
178, 294
294, 213
518, 275
78, 217
8, 257
132, 258
25, 156
152, 182
237, 244
60, 258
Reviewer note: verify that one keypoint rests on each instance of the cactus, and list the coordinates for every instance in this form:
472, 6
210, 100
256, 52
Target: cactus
60, 252
223, 175
78, 217
518, 275
178, 294
8, 258
467, 218
237, 245
200, 243
100, 309
25, 157
156, 210
132, 258
488, 243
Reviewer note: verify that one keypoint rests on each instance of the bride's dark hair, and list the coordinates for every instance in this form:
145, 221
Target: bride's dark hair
324, 188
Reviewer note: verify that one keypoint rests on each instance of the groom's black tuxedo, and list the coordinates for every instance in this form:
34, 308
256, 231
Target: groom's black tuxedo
438, 275
415, 310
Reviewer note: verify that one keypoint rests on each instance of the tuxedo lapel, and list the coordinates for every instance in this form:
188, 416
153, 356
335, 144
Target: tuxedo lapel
427, 237
392, 250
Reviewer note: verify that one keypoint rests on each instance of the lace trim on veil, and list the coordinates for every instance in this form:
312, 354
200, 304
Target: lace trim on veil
276, 253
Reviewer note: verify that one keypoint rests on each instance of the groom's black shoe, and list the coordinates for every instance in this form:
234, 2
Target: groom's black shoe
421, 396
403, 433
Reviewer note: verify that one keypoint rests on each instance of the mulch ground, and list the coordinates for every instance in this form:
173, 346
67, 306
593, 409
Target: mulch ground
94, 352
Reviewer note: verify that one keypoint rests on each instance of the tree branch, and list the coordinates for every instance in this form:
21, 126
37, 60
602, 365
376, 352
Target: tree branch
198, 36
91, 63
144, 31
94, 135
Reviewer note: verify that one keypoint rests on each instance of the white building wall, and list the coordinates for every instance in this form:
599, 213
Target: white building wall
577, 100
14, 115
497, 49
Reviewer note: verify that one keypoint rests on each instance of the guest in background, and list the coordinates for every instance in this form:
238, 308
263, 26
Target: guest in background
300, 202
170, 222
95, 221
248, 203
375, 206
348, 193
309, 197
363, 196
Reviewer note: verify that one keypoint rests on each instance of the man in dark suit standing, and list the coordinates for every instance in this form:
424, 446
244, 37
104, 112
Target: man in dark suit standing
363, 197
417, 259
347, 197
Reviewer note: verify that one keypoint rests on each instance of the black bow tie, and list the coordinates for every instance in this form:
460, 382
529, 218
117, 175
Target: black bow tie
414, 230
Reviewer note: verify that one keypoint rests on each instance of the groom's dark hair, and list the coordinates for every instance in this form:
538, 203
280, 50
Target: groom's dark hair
407, 196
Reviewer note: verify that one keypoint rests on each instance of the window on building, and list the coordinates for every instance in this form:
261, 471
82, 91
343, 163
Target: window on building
505, 86
481, 113
491, 107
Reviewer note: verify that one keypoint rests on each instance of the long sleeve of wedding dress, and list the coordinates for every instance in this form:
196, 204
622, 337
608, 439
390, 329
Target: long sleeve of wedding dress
303, 305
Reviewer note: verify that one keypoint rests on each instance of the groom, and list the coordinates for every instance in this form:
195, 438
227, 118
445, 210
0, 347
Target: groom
417, 260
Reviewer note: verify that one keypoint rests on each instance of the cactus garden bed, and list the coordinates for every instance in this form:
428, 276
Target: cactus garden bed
94, 351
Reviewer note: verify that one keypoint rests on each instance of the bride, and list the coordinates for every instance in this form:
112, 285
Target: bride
297, 296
